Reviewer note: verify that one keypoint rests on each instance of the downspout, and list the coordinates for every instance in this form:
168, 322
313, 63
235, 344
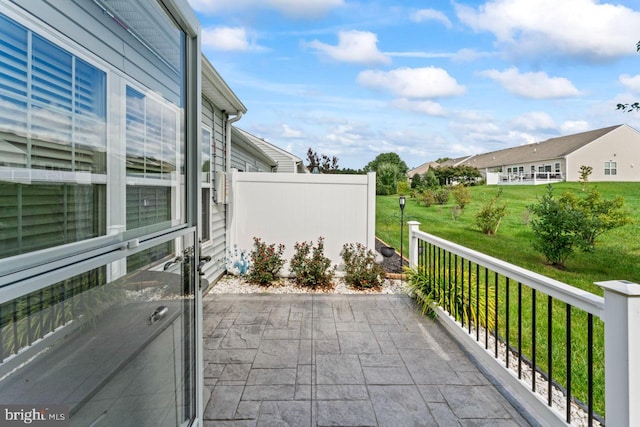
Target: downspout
230, 213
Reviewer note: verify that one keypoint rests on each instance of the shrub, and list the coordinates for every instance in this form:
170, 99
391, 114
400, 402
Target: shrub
445, 291
441, 195
309, 265
462, 196
403, 188
360, 266
426, 198
266, 262
491, 214
553, 227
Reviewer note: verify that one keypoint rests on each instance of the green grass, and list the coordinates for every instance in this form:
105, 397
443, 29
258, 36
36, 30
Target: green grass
617, 253
616, 256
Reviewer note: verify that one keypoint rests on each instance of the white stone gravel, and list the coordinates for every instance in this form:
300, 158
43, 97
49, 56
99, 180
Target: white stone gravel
230, 284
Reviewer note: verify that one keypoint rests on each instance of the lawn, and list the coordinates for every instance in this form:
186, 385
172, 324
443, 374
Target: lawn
616, 256
617, 253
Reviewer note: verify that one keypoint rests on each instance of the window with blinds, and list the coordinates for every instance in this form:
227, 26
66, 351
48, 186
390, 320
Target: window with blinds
34, 217
52, 105
151, 137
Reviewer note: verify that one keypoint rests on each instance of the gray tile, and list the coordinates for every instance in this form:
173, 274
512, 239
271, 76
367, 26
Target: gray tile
291, 332
427, 368
247, 410
341, 392
381, 360
277, 354
242, 336
387, 375
234, 423
338, 369
345, 413
272, 376
358, 342
235, 372
230, 356
213, 370
408, 340
352, 326
442, 413
289, 413
303, 392
474, 402
381, 317
431, 393
252, 318
268, 392
304, 373
324, 329
400, 406
326, 346
223, 403
305, 355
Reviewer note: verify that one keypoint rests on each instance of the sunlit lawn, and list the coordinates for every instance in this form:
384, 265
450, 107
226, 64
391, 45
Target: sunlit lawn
617, 256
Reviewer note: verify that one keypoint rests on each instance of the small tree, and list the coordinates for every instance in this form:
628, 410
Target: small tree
462, 195
441, 195
585, 171
321, 163
416, 181
490, 215
554, 228
386, 179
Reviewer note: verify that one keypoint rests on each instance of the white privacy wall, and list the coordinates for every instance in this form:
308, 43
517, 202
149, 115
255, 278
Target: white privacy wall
290, 208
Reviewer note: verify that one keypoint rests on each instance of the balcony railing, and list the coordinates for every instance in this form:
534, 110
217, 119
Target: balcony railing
547, 336
530, 178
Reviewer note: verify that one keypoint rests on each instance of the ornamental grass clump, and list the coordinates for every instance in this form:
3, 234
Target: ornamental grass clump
361, 269
266, 262
309, 266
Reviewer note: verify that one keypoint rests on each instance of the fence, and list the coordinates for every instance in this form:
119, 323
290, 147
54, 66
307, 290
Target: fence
290, 208
551, 337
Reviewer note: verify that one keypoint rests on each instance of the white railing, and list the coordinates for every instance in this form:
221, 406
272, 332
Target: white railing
530, 178
619, 310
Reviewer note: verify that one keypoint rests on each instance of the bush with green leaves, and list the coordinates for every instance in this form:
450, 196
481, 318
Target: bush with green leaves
426, 198
441, 195
561, 225
461, 195
309, 265
266, 262
387, 175
361, 269
490, 215
403, 188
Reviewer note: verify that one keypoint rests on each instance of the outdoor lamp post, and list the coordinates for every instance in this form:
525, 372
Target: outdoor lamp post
402, 202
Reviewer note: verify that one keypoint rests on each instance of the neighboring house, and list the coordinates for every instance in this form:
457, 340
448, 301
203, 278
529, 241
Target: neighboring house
286, 162
422, 169
613, 153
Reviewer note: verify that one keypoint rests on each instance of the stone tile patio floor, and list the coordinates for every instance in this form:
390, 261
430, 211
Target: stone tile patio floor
339, 360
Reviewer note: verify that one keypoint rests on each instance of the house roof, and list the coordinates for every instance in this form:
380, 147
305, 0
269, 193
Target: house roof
273, 150
422, 169
216, 90
238, 138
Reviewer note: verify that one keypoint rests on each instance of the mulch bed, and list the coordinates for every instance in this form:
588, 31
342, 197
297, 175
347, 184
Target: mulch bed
392, 264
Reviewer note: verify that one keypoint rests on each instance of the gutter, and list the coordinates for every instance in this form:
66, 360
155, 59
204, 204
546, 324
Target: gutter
229, 214
230, 121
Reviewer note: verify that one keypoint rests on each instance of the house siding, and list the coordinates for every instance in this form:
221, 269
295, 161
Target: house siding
213, 118
621, 146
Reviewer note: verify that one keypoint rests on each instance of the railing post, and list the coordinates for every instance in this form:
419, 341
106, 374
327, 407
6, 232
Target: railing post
413, 243
622, 352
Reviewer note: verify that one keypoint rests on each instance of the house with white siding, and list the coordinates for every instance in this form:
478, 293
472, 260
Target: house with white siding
286, 162
613, 153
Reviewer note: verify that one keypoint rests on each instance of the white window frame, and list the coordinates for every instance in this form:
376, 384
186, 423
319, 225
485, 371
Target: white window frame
611, 168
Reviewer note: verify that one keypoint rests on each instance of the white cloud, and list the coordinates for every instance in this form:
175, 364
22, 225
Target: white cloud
431, 15
429, 108
462, 55
229, 39
631, 82
584, 29
569, 127
427, 82
533, 121
358, 47
307, 9
288, 132
536, 85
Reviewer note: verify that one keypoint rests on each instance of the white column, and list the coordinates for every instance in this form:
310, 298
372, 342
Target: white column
413, 243
622, 352
371, 211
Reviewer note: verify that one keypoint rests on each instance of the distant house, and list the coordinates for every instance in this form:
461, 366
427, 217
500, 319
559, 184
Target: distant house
613, 153
285, 161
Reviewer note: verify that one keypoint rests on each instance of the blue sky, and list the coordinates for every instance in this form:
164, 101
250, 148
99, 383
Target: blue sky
423, 79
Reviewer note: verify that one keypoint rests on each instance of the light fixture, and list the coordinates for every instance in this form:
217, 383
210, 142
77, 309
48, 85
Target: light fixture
402, 201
